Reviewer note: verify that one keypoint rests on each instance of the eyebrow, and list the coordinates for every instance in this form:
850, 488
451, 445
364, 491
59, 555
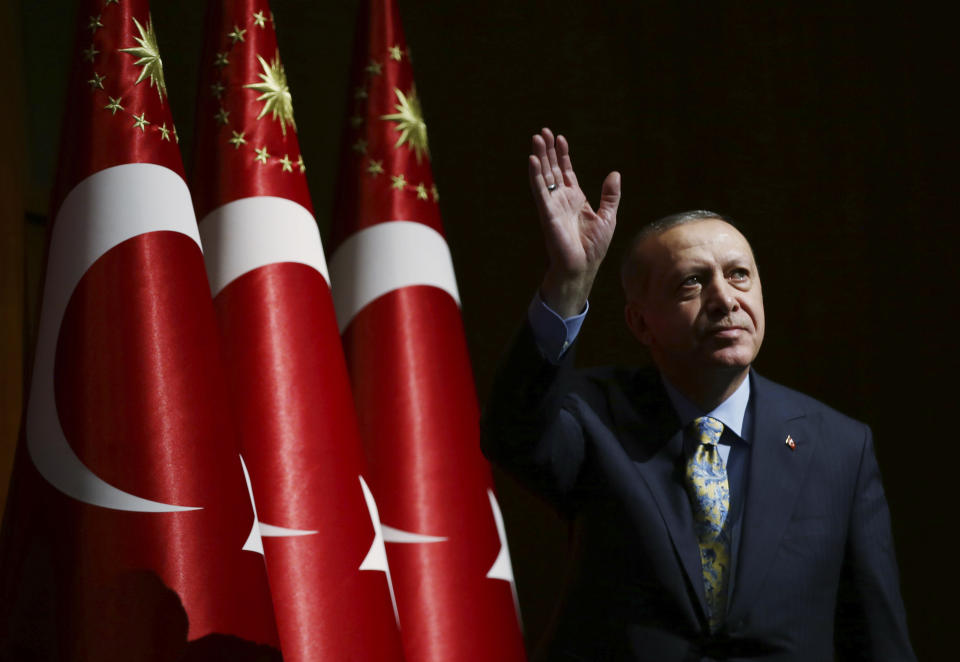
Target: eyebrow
687, 264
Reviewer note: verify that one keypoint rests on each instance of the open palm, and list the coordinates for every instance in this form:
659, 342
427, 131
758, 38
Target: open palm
577, 237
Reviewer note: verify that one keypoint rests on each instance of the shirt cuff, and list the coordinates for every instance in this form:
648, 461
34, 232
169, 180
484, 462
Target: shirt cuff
553, 334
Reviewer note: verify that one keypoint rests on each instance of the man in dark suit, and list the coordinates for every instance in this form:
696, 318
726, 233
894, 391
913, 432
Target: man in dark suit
718, 515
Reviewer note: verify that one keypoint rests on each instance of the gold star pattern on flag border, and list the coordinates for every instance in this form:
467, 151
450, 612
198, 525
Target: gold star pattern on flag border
238, 139
408, 121
140, 122
237, 34
150, 67
274, 92
114, 105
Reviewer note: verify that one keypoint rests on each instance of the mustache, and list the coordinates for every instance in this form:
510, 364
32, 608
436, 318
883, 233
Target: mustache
727, 323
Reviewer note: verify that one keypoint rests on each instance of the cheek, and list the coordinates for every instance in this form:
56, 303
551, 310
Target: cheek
756, 306
674, 324
680, 327
761, 328
756, 312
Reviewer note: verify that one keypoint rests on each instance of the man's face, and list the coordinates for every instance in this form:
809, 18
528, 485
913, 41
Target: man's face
701, 307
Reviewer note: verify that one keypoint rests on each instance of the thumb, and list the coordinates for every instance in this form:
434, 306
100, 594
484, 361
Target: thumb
609, 197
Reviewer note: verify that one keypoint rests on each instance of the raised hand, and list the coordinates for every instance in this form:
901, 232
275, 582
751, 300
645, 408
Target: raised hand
577, 237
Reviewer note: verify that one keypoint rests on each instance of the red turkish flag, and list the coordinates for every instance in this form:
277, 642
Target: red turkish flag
291, 392
130, 508
398, 309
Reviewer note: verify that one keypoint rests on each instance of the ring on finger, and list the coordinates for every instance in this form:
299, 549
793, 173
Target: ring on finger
551, 187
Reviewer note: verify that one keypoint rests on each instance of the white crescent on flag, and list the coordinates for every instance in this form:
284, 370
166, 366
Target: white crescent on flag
102, 211
253, 232
394, 254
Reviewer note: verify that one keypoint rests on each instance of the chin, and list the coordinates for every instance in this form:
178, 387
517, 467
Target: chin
732, 355
733, 361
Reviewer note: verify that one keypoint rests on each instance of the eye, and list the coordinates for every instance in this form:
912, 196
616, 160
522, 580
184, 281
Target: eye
690, 281
739, 275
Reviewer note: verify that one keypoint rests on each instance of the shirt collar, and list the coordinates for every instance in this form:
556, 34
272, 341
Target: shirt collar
731, 412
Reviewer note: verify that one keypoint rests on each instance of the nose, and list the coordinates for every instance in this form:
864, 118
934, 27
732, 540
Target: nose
721, 298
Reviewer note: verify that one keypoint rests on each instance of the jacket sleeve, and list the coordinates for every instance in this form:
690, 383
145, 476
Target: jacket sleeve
871, 621
524, 427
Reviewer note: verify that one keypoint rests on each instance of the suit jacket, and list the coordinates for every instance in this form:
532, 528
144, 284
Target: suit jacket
815, 569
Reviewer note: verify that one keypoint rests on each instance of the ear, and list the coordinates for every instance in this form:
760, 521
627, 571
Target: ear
633, 314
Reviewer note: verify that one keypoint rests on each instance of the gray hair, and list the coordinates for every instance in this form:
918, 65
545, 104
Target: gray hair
631, 269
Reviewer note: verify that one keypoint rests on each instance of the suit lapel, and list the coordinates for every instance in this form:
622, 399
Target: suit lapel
666, 483
651, 434
775, 476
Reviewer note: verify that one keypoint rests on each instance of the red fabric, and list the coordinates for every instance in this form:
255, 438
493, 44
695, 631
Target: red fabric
414, 388
141, 399
288, 378
301, 444
418, 413
230, 172
140, 395
89, 137
364, 199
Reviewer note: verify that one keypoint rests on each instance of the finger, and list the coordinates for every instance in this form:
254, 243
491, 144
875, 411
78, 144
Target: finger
546, 137
538, 186
566, 165
554, 165
540, 151
537, 146
535, 172
610, 197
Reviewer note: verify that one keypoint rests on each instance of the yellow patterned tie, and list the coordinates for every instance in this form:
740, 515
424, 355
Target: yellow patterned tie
710, 496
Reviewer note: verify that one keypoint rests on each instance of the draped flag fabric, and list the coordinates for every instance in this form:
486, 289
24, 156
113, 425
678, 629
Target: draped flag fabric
398, 310
125, 531
319, 527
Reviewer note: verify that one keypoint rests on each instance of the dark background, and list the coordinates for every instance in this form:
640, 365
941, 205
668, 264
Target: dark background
827, 131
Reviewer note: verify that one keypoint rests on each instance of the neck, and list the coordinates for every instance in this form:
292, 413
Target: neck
707, 389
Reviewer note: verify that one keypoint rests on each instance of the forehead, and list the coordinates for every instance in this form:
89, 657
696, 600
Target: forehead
707, 240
